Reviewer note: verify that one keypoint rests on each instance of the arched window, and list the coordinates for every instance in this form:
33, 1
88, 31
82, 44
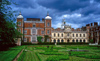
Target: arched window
68, 34
48, 24
54, 34
54, 41
73, 35
80, 40
58, 34
84, 40
76, 40
58, 41
83, 35
62, 40
73, 40
76, 35
62, 35
80, 35
68, 40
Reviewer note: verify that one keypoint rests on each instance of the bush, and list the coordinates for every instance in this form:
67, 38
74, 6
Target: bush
76, 53
39, 39
51, 53
90, 56
58, 58
91, 41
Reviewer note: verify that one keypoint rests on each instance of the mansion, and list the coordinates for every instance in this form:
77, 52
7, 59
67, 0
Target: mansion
34, 27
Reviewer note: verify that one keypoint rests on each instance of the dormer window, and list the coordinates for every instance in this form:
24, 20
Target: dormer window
48, 24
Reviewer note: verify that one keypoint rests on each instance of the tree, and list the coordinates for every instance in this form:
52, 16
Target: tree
8, 29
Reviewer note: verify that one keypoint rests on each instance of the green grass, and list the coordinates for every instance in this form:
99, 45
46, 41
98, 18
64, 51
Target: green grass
52, 53
10, 54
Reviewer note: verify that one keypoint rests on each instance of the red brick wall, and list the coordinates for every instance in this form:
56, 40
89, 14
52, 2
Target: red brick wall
20, 20
28, 39
28, 31
48, 21
39, 32
28, 24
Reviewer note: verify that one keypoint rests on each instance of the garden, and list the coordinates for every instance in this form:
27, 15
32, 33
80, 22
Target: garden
52, 53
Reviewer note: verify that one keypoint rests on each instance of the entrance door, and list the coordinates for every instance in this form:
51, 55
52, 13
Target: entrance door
68, 40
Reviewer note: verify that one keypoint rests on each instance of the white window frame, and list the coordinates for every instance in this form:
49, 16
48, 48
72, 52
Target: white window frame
42, 32
34, 25
25, 31
48, 24
48, 31
19, 23
25, 39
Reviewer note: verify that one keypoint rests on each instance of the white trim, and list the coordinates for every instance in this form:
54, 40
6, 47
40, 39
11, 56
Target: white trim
33, 22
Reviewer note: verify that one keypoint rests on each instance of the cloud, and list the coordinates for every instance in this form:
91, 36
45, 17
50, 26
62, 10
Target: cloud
76, 12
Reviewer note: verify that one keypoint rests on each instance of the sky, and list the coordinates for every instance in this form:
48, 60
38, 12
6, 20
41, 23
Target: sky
76, 13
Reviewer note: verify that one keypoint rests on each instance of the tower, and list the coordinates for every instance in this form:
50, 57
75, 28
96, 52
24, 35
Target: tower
48, 26
20, 23
63, 24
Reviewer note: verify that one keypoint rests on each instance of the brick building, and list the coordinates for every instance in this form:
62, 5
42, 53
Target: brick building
33, 27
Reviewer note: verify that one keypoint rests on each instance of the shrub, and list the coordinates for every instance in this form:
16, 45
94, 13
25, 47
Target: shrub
90, 56
51, 53
76, 53
57, 58
91, 41
39, 39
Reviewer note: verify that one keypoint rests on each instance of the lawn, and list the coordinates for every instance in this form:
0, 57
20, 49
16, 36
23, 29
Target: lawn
10, 54
52, 53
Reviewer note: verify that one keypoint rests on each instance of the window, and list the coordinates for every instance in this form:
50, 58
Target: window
34, 31
73, 35
62, 40
48, 32
80, 35
42, 32
19, 23
54, 34
48, 24
54, 41
58, 34
25, 39
76, 40
58, 41
62, 35
73, 40
83, 35
80, 40
68, 34
76, 35
25, 31
33, 25
84, 41
34, 39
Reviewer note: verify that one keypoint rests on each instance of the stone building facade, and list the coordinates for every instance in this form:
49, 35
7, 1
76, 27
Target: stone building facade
67, 34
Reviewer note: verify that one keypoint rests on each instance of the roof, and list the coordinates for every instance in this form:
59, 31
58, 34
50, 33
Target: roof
20, 16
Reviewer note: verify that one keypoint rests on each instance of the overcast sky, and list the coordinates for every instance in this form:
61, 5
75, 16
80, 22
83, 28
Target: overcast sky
77, 13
